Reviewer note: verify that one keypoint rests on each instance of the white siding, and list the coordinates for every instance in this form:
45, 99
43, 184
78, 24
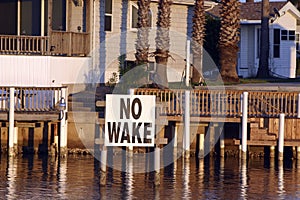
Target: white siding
42, 70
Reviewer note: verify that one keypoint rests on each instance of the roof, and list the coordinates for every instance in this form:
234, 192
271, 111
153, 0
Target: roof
249, 10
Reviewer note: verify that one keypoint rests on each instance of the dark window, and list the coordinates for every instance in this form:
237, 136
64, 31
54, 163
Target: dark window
258, 43
108, 15
297, 42
284, 34
276, 43
292, 35
134, 17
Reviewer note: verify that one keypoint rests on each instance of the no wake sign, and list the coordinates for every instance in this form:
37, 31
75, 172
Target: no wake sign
130, 120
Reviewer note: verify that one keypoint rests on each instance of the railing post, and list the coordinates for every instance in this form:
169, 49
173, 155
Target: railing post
244, 125
64, 123
186, 138
298, 106
187, 70
11, 121
281, 136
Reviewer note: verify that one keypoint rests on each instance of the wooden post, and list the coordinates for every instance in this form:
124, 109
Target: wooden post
201, 146
16, 140
175, 139
272, 151
188, 64
11, 121
298, 153
244, 125
50, 3
298, 106
64, 124
130, 149
186, 138
281, 136
222, 142
157, 165
103, 163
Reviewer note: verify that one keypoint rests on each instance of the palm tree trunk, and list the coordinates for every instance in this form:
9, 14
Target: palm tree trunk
229, 39
263, 69
162, 42
142, 43
198, 37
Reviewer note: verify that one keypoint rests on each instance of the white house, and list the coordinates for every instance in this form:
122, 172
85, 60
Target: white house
284, 38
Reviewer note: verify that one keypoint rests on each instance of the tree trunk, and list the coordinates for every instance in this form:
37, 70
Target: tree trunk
228, 63
162, 42
197, 43
263, 69
229, 39
142, 43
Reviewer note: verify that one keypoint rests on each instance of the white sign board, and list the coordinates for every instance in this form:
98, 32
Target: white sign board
130, 120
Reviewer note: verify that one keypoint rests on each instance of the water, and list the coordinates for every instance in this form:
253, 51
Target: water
77, 177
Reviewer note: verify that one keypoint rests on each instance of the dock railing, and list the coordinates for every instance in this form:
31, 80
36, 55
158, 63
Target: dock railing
31, 99
226, 103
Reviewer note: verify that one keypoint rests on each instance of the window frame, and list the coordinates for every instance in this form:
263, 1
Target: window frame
131, 17
109, 15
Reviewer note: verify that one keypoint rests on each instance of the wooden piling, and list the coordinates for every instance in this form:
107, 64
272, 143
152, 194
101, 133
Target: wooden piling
186, 138
272, 151
222, 142
244, 125
103, 163
157, 166
11, 134
281, 136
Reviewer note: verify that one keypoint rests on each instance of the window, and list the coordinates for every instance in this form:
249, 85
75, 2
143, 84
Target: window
276, 43
292, 35
288, 35
108, 15
297, 42
134, 17
284, 34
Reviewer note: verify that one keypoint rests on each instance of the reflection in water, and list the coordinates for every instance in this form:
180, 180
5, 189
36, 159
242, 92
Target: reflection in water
62, 177
281, 191
11, 177
77, 177
243, 172
186, 178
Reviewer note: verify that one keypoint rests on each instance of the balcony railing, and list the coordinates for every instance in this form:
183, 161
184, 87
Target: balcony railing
61, 44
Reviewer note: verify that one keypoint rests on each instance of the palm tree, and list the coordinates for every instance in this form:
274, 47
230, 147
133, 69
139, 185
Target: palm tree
162, 42
142, 43
229, 39
198, 37
263, 68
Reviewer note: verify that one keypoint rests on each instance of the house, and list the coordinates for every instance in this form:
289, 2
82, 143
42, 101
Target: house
284, 38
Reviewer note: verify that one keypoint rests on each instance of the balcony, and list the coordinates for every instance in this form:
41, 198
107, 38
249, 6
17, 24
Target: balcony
60, 43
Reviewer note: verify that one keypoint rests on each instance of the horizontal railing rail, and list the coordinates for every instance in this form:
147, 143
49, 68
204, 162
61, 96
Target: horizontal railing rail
31, 99
226, 103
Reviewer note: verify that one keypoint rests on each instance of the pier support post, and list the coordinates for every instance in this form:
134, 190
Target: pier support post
222, 142
175, 140
272, 151
281, 136
64, 124
156, 165
244, 125
103, 163
298, 106
186, 138
16, 140
11, 122
201, 145
130, 149
298, 153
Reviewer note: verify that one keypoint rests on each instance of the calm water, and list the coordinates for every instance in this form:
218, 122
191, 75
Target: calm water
34, 177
